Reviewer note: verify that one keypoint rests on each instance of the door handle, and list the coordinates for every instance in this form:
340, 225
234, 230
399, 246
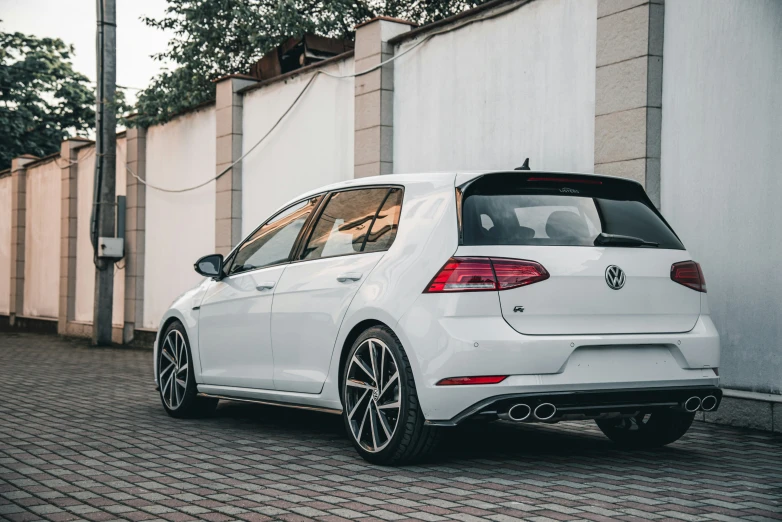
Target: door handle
268, 285
349, 276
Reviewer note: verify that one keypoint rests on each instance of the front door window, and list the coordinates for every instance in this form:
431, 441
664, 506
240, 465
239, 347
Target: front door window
272, 243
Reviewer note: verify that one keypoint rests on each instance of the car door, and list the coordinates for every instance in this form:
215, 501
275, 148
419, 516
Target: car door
351, 234
234, 322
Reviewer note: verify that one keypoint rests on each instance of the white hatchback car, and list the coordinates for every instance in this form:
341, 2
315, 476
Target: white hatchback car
407, 303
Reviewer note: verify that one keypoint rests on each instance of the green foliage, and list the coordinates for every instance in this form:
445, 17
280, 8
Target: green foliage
213, 38
42, 99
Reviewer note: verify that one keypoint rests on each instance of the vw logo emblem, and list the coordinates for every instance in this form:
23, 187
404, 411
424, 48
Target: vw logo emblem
615, 277
375, 394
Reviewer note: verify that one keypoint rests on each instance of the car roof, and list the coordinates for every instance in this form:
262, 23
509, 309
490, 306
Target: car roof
458, 178
385, 179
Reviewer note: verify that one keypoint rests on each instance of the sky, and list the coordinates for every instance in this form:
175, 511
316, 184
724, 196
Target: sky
74, 21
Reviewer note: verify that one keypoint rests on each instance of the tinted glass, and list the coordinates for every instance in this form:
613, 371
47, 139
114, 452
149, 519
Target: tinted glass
343, 224
209, 265
514, 209
272, 243
383, 231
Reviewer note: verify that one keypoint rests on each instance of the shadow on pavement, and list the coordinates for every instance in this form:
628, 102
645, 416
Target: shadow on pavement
490, 440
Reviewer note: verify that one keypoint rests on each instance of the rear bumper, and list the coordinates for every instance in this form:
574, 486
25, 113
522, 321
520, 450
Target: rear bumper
578, 405
449, 337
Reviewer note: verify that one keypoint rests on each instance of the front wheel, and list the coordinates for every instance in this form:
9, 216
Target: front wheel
176, 378
647, 430
381, 410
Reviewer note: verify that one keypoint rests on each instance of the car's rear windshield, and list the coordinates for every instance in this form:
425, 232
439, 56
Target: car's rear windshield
561, 210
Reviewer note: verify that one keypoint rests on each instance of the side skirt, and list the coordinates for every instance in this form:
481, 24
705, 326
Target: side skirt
272, 403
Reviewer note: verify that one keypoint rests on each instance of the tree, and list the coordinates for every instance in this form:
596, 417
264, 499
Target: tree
213, 38
42, 99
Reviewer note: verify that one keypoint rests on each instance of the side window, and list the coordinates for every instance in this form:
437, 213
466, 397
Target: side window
344, 223
383, 231
272, 243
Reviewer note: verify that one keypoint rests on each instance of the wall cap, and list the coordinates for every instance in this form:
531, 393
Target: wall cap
387, 19
234, 76
79, 143
37, 162
185, 112
409, 35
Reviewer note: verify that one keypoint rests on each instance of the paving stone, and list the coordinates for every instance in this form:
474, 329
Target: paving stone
93, 443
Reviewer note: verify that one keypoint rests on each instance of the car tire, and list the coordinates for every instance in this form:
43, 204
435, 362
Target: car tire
650, 430
369, 411
176, 378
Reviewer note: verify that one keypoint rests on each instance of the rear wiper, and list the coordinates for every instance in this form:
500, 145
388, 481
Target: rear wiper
616, 239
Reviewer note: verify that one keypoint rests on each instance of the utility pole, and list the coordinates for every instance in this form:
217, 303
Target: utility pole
104, 210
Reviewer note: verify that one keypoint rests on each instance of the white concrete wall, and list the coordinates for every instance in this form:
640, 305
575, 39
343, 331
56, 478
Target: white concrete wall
312, 147
720, 170
42, 241
180, 228
488, 95
5, 245
85, 267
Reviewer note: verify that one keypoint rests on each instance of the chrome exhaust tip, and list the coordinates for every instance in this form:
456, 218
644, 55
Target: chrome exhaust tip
519, 412
545, 411
709, 403
692, 404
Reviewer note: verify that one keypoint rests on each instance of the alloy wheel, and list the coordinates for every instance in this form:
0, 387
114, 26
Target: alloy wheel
173, 369
373, 395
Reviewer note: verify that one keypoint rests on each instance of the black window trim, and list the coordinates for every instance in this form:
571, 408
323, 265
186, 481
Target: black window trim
310, 226
232, 255
374, 218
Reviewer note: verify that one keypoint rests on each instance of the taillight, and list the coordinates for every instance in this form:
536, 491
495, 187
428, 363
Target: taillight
512, 273
689, 274
479, 274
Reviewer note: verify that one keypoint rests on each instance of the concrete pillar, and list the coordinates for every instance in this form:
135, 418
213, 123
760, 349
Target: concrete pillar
374, 96
628, 91
68, 212
18, 223
228, 189
135, 231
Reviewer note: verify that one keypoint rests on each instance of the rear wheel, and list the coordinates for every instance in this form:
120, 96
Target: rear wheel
175, 375
647, 430
381, 410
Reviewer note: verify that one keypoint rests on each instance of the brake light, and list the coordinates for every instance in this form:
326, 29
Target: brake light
464, 274
460, 381
479, 274
689, 274
568, 180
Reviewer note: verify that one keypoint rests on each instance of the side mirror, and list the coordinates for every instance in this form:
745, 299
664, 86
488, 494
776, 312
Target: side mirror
210, 266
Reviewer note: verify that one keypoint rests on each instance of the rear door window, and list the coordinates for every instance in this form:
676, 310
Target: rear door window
343, 226
519, 209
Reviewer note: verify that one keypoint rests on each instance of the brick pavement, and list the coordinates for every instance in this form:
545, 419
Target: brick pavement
83, 436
